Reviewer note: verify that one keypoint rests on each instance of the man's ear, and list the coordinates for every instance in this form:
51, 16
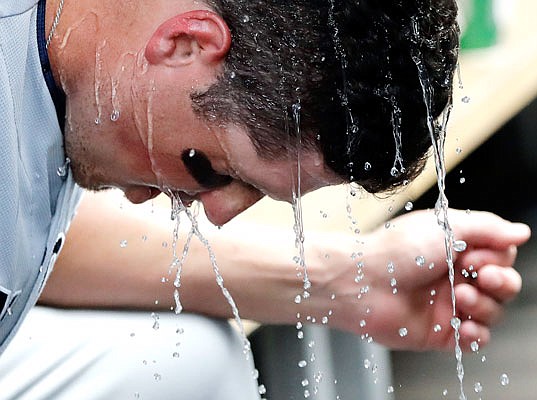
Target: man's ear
195, 35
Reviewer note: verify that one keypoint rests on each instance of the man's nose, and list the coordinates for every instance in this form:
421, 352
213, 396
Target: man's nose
222, 204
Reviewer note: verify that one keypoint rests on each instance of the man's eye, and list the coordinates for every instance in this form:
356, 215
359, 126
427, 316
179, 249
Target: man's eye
199, 166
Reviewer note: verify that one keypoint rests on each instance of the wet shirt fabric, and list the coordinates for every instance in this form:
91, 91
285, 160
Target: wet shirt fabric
36, 202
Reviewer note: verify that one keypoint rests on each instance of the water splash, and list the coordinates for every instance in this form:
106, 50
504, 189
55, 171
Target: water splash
180, 208
177, 263
442, 204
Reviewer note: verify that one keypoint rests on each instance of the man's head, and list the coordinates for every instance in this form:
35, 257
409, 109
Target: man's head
210, 99
351, 65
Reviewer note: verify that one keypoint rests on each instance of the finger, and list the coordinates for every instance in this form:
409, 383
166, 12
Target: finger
473, 335
479, 257
474, 304
483, 229
501, 283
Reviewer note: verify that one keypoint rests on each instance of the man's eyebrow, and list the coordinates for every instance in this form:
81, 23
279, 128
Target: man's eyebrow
199, 166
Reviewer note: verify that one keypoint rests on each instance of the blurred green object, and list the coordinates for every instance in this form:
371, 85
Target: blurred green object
480, 27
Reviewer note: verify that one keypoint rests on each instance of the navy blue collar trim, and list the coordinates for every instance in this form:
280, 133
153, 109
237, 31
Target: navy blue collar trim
57, 94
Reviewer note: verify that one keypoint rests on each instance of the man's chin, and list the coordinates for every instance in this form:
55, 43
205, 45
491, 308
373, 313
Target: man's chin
89, 182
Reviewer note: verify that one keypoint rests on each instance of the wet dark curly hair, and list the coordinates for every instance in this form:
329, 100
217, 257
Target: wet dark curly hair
351, 65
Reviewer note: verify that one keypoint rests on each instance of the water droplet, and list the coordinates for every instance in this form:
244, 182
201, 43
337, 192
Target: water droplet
97, 121
367, 166
437, 328
390, 389
157, 377
403, 332
459, 245
192, 153
298, 299
420, 261
362, 323
391, 267
474, 346
504, 379
455, 323
123, 244
63, 170
465, 99
444, 392
115, 115
393, 282
245, 19
409, 206
367, 363
175, 354
478, 388
305, 382
458, 150
262, 389
302, 363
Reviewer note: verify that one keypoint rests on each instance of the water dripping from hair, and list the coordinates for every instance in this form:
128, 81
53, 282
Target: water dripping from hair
352, 126
98, 81
441, 207
297, 200
398, 167
149, 134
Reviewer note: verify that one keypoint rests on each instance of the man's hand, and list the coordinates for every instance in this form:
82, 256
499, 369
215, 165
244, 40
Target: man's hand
397, 288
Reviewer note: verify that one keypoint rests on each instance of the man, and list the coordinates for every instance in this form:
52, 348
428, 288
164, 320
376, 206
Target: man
221, 102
